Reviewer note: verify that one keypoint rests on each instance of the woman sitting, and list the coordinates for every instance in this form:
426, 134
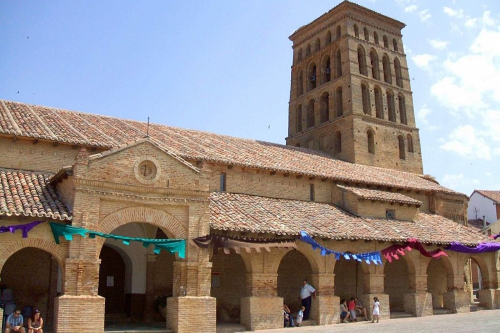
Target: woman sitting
344, 314
35, 323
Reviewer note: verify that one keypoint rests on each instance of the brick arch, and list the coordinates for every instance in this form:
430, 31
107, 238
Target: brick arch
489, 280
172, 227
59, 252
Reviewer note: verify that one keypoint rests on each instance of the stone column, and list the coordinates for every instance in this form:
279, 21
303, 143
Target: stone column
262, 309
419, 303
325, 306
150, 287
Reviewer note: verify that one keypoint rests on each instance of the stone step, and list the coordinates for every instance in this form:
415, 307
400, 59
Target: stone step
441, 311
230, 328
397, 315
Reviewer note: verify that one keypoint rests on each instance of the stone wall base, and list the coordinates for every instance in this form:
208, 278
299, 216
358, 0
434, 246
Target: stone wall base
189, 314
418, 304
367, 301
458, 301
487, 298
497, 296
79, 314
260, 313
325, 310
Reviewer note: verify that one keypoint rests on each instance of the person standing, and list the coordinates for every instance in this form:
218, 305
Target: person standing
306, 293
376, 309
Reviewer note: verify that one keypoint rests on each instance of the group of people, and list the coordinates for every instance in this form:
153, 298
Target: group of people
15, 322
306, 294
350, 311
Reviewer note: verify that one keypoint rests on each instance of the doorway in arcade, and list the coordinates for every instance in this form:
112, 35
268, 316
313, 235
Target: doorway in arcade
134, 281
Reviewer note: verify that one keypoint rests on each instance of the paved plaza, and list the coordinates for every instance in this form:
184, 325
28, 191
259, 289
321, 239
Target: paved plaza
480, 322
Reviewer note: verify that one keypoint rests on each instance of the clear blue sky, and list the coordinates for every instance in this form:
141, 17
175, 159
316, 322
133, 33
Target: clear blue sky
224, 67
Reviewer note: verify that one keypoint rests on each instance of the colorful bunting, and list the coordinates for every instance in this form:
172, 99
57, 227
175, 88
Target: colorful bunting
393, 251
24, 227
480, 248
237, 243
367, 257
170, 245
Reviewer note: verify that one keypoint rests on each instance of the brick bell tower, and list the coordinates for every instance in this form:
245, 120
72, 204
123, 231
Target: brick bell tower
350, 92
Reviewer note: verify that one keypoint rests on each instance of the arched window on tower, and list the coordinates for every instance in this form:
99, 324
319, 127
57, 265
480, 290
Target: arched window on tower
308, 50
299, 118
324, 108
379, 110
386, 42
395, 44
328, 38
402, 110
326, 69
338, 64
399, 76
375, 37
401, 142
299, 55
339, 108
390, 106
367, 34
312, 78
300, 83
375, 66
317, 45
386, 64
310, 113
371, 141
365, 95
337, 142
356, 31
362, 61
338, 33
409, 140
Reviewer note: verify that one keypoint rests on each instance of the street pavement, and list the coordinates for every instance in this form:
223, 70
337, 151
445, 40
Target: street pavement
479, 322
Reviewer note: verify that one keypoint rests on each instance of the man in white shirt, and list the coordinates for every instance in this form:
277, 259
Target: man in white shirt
305, 296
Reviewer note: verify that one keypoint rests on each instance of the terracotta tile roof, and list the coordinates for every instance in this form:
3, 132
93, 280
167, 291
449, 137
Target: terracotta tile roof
493, 195
25, 193
101, 131
239, 212
377, 195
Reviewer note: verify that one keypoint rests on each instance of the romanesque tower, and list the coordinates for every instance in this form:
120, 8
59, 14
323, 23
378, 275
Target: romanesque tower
350, 92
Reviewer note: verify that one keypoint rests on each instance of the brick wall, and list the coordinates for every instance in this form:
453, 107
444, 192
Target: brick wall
436, 282
230, 273
41, 156
396, 283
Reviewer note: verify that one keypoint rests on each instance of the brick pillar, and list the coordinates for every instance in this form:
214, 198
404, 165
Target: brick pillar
150, 287
419, 303
487, 298
263, 309
458, 301
80, 306
191, 297
374, 286
325, 306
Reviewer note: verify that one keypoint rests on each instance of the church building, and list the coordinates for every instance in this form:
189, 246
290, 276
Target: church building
105, 220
